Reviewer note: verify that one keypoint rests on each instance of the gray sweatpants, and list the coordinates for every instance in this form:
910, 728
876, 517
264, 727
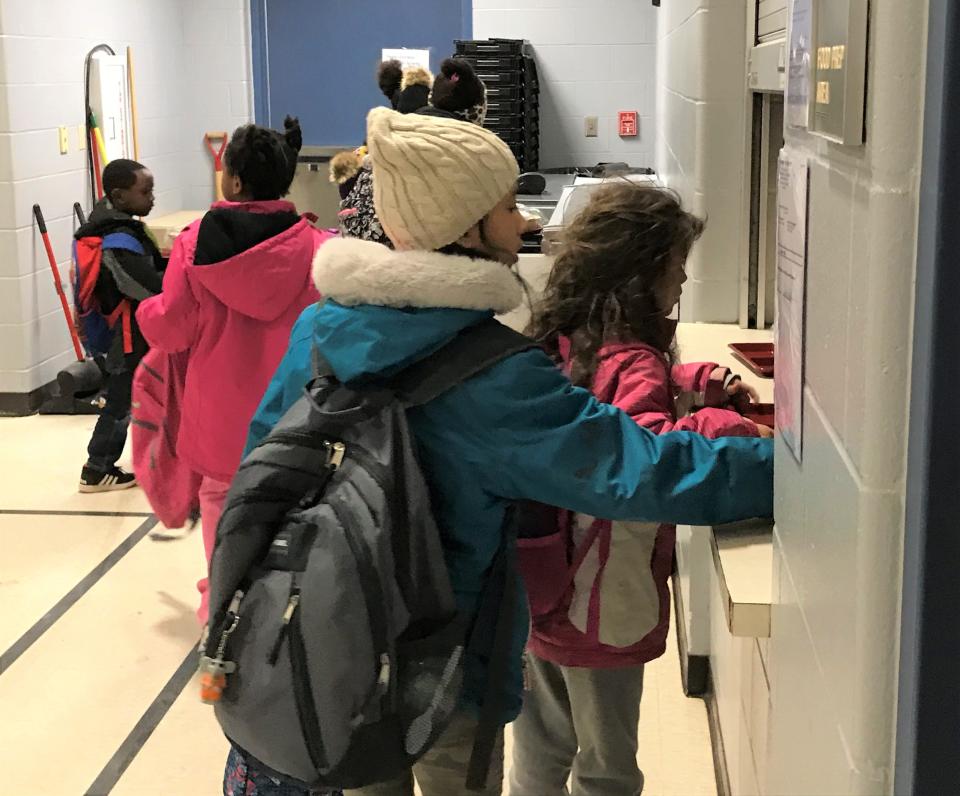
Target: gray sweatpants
442, 771
582, 722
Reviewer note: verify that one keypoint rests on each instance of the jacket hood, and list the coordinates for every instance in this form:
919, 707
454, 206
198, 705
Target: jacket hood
265, 278
387, 309
609, 350
105, 218
354, 272
367, 341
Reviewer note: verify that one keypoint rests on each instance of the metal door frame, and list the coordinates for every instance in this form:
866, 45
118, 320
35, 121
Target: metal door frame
928, 708
756, 173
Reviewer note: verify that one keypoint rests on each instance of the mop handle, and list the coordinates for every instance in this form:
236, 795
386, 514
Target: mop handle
98, 137
95, 160
42, 225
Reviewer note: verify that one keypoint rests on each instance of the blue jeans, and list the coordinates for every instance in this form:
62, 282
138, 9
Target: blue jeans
243, 779
110, 433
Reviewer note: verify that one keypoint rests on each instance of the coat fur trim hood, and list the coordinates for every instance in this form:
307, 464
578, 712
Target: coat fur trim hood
344, 166
416, 76
351, 271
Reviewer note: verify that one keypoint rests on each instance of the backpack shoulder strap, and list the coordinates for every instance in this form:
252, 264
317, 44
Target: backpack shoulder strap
122, 240
498, 610
471, 352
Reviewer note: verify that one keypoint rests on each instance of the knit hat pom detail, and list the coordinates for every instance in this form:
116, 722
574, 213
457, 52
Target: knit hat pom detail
458, 90
389, 77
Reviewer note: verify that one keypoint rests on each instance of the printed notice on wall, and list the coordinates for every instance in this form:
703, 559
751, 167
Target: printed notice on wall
792, 186
407, 58
800, 63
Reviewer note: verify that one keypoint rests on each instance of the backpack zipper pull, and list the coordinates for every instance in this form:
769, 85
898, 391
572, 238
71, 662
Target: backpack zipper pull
383, 680
337, 451
292, 604
335, 454
214, 671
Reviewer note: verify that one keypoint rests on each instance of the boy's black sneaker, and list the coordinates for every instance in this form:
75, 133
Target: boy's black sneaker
93, 480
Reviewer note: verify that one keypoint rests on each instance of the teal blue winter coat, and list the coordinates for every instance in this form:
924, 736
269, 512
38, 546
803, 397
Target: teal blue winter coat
517, 431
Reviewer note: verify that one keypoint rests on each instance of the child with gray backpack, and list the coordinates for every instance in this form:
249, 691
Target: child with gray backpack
368, 620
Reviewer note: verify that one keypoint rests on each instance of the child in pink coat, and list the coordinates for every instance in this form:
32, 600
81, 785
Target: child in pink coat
599, 600
236, 282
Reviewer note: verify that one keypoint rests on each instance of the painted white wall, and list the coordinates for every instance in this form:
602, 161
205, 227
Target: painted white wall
192, 71
700, 142
594, 58
838, 544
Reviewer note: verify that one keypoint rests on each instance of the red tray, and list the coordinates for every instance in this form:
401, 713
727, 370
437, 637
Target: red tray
762, 414
758, 357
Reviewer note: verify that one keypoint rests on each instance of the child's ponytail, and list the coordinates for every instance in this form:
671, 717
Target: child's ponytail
265, 160
292, 133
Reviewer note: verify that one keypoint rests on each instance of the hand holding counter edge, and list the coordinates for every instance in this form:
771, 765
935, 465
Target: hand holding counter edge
519, 430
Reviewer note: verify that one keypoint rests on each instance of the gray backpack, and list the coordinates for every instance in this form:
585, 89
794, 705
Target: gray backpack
335, 649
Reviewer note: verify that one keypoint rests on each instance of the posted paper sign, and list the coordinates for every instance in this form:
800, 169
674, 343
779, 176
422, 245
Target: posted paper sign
407, 57
792, 186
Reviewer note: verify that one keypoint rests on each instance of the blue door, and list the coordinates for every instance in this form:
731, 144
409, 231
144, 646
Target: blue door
317, 59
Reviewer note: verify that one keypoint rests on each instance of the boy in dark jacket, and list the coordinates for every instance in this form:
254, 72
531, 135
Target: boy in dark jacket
124, 275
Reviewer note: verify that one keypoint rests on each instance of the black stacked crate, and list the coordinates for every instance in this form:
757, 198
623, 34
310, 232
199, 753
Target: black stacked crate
507, 68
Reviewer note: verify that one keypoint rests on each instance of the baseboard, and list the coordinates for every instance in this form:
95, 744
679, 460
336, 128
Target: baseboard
21, 404
695, 669
698, 682
716, 739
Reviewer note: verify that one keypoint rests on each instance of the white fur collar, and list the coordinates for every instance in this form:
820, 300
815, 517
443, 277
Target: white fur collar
352, 271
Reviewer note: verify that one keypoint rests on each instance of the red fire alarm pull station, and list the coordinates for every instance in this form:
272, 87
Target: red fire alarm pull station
628, 123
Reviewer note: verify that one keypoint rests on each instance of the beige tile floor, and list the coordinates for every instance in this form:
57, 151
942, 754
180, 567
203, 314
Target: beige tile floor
69, 701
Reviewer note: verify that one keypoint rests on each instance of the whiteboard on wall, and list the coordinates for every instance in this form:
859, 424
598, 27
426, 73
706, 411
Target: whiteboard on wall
110, 101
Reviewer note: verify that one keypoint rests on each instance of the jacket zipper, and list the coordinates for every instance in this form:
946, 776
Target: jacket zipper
303, 693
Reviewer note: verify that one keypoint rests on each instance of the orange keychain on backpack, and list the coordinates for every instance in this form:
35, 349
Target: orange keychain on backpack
214, 671
213, 678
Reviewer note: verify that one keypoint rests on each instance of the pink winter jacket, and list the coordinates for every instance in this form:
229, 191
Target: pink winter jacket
233, 314
598, 589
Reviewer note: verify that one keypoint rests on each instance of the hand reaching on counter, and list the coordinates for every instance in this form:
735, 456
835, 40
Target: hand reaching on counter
741, 392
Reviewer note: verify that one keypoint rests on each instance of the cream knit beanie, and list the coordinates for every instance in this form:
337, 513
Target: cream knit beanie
434, 178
